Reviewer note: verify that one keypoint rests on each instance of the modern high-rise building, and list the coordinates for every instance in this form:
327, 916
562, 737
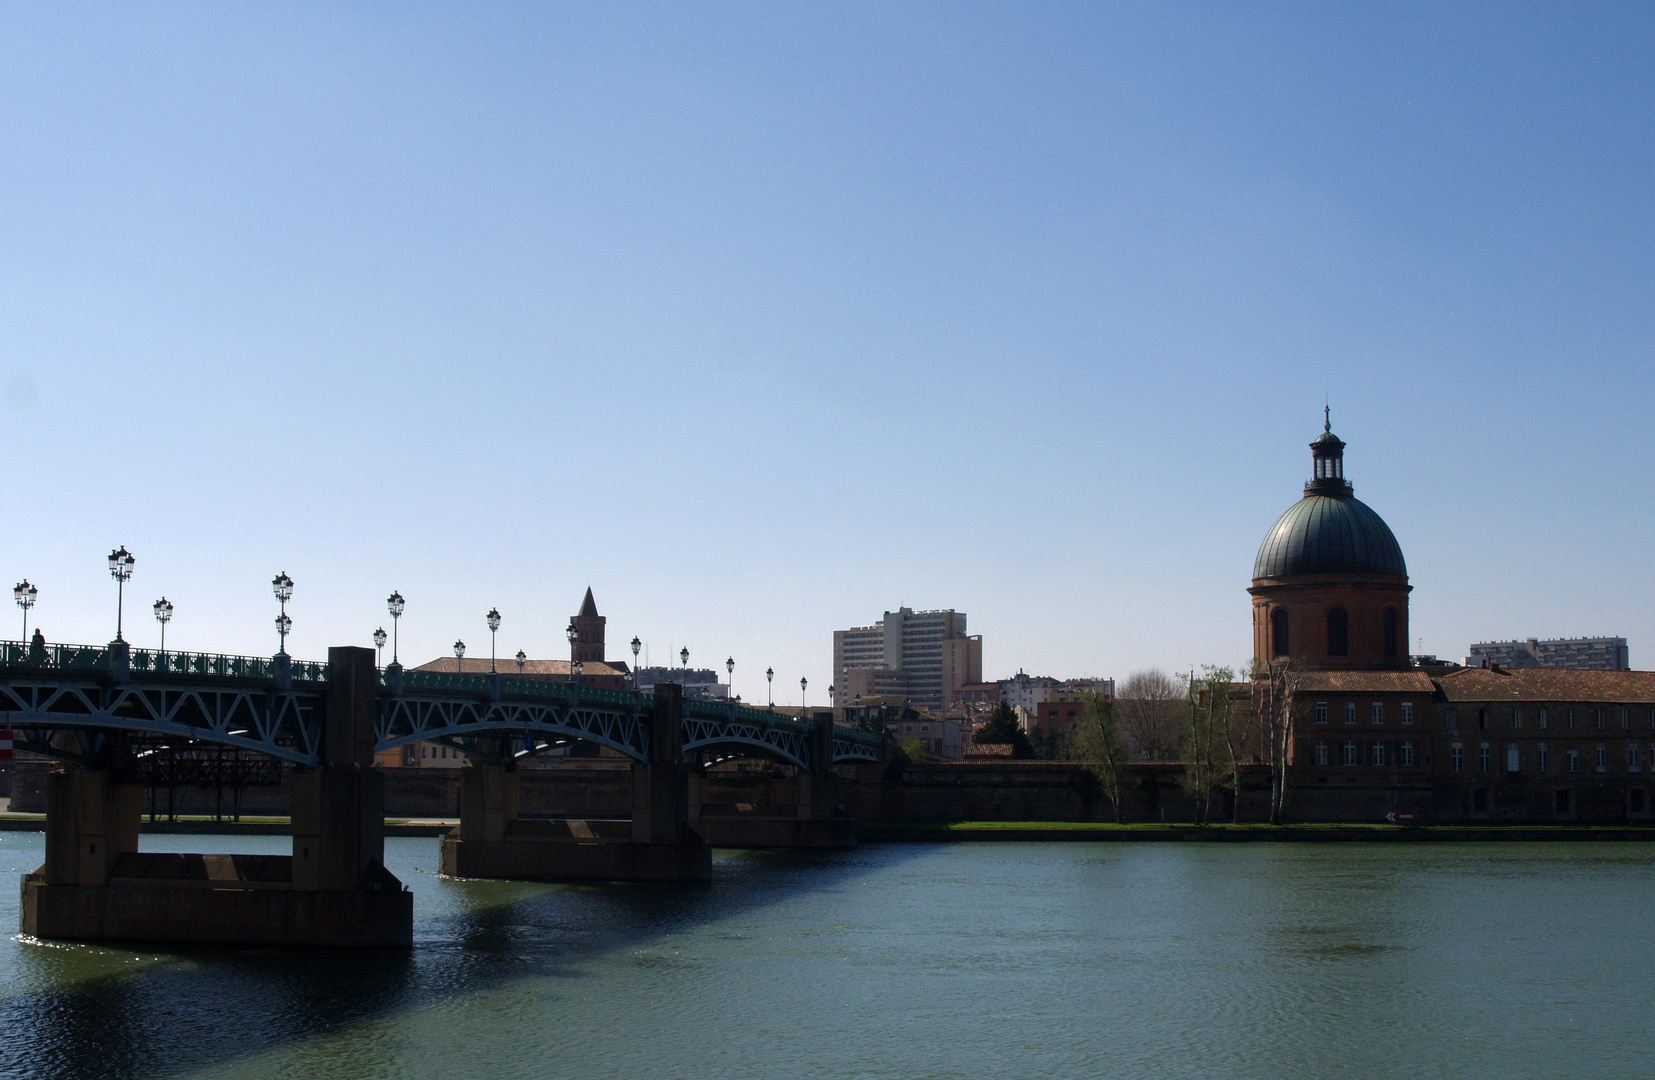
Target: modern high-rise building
1586, 654
923, 655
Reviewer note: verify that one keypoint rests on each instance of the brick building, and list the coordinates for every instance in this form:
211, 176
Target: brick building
1370, 732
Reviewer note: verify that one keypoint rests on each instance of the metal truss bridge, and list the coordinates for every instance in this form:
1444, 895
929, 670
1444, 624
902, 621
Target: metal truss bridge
277, 705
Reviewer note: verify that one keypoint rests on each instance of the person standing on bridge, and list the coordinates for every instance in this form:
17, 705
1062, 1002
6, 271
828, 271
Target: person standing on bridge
37, 647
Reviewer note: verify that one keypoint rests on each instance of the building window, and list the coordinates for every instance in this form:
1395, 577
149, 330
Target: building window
1376, 754
1456, 757
1571, 759
1321, 712
1350, 754
1570, 716
1517, 719
1451, 719
1321, 753
1626, 719
1280, 644
1603, 758
1631, 757
1597, 718
1482, 756
1482, 719
1377, 712
1350, 712
1541, 720
1513, 757
1407, 713
1390, 633
1542, 759
1408, 760
1338, 633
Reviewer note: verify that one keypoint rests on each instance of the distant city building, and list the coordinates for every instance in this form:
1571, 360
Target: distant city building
697, 682
925, 656
982, 693
937, 735
1024, 692
1029, 695
1580, 654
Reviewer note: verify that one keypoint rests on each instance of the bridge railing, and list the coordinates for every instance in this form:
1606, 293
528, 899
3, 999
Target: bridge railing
539, 689
60, 657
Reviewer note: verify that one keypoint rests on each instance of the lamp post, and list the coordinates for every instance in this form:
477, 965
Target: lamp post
493, 625
120, 568
395, 604
25, 594
379, 646
572, 634
730, 669
522, 658
803, 682
636, 645
459, 656
769, 688
684, 656
575, 668
282, 586
163, 615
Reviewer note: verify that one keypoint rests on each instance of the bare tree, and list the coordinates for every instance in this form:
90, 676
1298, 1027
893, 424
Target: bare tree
1275, 686
1148, 705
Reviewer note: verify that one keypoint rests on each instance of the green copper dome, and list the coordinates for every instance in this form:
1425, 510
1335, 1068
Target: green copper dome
1329, 531
1329, 534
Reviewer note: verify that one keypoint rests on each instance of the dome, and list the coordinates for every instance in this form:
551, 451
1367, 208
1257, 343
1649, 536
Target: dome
1329, 534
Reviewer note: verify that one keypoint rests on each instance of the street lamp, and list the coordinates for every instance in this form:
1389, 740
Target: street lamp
163, 615
803, 682
459, 656
575, 668
493, 625
636, 645
282, 586
395, 604
522, 658
120, 568
770, 687
730, 669
25, 594
684, 656
380, 638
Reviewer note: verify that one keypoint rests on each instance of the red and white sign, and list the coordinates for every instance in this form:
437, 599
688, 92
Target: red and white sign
1400, 817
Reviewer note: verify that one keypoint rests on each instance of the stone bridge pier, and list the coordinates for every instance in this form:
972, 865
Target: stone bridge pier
657, 844
809, 819
95, 884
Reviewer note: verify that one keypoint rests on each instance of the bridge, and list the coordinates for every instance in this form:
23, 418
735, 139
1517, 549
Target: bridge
100, 709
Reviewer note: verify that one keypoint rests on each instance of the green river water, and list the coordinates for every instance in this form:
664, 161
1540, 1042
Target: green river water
904, 960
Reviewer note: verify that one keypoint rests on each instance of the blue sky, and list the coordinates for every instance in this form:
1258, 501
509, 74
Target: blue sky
761, 320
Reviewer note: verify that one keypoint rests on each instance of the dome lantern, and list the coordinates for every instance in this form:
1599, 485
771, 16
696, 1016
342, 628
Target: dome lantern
1327, 456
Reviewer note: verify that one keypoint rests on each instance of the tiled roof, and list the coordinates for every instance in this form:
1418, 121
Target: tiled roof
1366, 682
1548, 684
508, 666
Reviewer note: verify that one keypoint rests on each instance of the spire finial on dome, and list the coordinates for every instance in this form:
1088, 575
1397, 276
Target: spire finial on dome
1327, 418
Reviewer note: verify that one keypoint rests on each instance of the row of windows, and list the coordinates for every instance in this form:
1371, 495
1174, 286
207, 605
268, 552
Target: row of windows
1338, 632
1542, 717
1377, 753
1376, 712
1542, 757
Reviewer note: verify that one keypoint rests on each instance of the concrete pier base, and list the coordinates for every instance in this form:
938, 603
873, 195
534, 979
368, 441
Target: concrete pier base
572, 850
333, 890
655, 844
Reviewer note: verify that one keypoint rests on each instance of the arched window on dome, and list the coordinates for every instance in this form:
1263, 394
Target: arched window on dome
1280, 645
1390, 633
1338, 633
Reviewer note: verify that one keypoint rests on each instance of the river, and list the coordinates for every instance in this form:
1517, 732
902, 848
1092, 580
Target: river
904, 960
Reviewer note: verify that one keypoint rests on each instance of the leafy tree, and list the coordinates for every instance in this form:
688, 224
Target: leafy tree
913, 750
1209, 741
1098, 742
1002, 728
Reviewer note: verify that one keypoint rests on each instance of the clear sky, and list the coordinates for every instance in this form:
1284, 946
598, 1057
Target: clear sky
762, 320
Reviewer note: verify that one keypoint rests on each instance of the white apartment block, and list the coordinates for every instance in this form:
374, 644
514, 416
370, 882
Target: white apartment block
927, 655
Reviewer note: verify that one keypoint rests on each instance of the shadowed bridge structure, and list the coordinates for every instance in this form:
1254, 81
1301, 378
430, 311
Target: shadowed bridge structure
100, 709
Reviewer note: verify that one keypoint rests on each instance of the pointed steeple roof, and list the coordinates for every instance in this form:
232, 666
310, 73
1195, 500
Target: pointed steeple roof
588, 607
